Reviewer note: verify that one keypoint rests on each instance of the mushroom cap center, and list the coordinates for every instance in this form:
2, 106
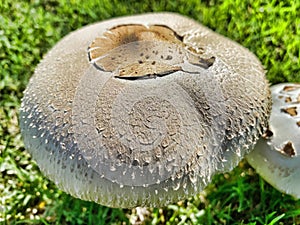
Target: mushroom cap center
135, 51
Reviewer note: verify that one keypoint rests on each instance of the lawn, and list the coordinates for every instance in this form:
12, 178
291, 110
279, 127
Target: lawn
28, 29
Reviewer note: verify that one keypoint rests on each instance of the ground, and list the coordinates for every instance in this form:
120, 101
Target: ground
28, 29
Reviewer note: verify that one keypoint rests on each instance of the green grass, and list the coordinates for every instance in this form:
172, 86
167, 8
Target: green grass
28, 29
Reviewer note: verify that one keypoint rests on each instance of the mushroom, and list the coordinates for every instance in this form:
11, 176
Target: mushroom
143, 110
276, 156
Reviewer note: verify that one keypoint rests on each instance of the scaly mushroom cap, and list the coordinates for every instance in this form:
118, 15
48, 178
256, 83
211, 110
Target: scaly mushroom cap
143, 110
276, 156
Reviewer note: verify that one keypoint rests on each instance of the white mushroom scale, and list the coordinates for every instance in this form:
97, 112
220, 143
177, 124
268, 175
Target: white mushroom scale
143, 110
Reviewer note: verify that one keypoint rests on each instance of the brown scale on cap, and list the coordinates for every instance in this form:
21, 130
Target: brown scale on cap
288, 88
288, 99
289, 149
133, 51
292, 111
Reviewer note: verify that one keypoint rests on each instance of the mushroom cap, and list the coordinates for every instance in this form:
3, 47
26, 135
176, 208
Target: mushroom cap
276, 157
143, 110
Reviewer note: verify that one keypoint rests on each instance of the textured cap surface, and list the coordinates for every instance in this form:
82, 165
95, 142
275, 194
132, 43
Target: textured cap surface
143, 110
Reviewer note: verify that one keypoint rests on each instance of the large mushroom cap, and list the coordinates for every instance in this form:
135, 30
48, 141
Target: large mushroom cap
143, 110
276, 157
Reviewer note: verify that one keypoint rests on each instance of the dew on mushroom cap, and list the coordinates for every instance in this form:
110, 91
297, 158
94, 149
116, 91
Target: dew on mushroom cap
276, 157
146, 117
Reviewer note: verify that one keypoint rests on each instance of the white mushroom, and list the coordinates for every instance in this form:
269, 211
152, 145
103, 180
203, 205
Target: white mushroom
276, 157
155, 107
